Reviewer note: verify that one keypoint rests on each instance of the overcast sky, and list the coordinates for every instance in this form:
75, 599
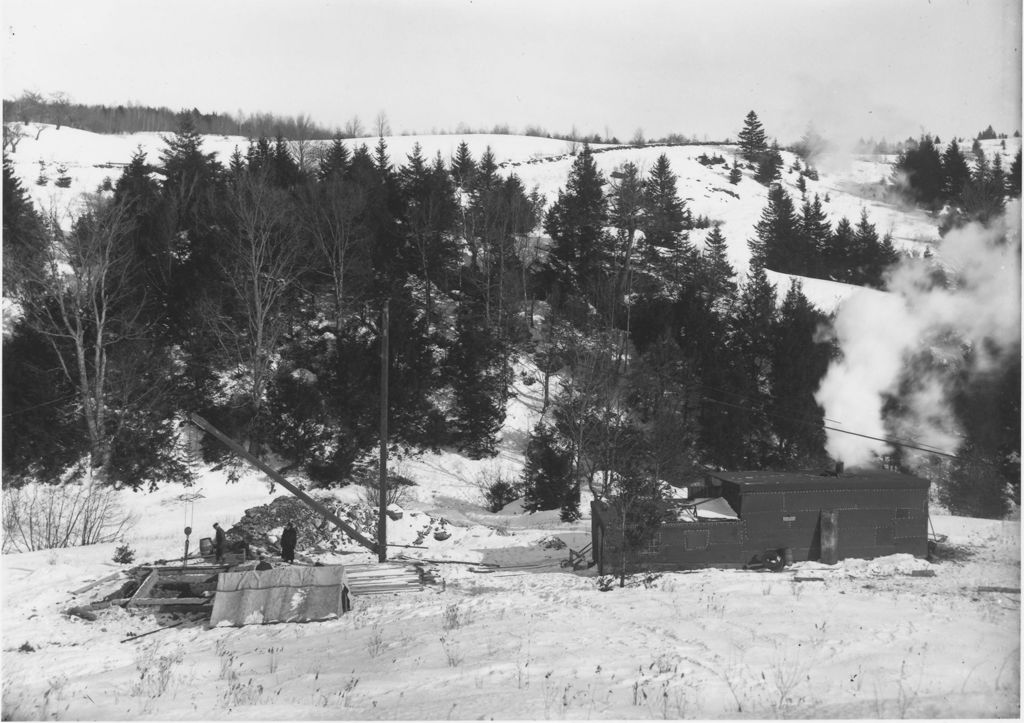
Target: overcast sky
853, 67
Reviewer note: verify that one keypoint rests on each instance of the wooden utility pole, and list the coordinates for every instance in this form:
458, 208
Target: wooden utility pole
382, 517
258, 464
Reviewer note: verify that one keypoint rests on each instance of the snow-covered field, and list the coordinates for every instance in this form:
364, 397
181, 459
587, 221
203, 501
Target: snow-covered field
532, 639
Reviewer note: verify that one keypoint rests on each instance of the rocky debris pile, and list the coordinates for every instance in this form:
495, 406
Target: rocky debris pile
261, 526
552, 543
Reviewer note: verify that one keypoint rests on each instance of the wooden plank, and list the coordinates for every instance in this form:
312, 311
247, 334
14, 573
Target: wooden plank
148, 601
241, 452
829, 537
144, 588
94, 583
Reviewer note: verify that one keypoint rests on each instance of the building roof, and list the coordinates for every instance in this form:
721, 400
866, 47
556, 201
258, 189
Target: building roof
763, 481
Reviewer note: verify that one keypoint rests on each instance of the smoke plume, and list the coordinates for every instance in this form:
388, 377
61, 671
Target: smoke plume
918, 338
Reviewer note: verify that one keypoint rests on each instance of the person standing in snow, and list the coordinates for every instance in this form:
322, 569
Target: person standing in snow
288, 539
218, 542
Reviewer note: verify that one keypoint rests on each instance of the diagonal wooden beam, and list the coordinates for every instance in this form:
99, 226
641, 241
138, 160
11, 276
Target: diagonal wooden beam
312, 503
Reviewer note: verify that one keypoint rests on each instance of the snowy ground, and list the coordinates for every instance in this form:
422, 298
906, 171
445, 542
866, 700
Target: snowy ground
530, 639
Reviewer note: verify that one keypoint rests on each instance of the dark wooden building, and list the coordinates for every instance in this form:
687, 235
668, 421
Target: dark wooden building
737, 519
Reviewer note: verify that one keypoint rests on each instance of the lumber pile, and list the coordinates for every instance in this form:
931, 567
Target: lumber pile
383, 578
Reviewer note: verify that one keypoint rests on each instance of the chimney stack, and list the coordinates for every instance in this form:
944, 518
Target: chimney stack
839, 469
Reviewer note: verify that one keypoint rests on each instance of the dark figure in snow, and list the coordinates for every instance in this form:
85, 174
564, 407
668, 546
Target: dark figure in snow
263, 564
218, 542
288, 539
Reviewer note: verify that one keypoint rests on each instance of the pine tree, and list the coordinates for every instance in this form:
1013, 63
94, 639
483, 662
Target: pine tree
752, 138
335, 162
150, 234
816, 233
575, 224
625, 216
837, 256
955, 172
463, 167
733, 429
798, 363
477, 360
735, 174
769, 165
664, 213
919, 172
547, 473
23, 236
718, 275
1013, 178
286, 171
779, 245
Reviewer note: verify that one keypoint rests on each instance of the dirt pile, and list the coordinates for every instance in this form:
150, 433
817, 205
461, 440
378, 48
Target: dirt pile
261, 526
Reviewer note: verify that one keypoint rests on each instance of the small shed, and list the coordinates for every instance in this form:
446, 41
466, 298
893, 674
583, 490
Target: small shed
798, 515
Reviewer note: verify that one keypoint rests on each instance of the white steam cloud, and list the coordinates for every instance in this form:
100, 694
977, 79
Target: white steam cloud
880, 334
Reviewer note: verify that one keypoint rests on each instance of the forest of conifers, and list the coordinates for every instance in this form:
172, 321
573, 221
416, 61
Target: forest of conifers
252, 292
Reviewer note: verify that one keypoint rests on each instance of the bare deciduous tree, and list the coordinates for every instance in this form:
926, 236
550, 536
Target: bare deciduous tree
381, 125
261, 266
84, 299
353, 127
331, 222
13, 133
41, 517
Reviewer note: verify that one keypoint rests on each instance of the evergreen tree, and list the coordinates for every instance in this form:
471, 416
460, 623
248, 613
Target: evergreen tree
547, 473
625, 216
286, 173
430, 213
983, 197
779, 244
769, 165
42, 436
734, 430
837, 256
718, 276
335, 162
816, 235
752, 139
477, 363
23, 233
955, 172
919, 172
798, 363
1013, 178
149, 234
735, 174
463, 167
664, 213
575, 224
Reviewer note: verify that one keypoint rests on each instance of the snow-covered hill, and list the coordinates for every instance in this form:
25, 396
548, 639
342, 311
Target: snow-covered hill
90, 158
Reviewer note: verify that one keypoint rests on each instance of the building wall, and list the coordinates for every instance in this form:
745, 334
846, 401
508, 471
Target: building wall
871, 523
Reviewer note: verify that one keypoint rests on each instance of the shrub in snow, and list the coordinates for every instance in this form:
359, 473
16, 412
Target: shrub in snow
63, 180
500, 493
40, 517
124, 554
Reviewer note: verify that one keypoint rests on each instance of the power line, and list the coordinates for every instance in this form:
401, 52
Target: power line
42, 404
894, 442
